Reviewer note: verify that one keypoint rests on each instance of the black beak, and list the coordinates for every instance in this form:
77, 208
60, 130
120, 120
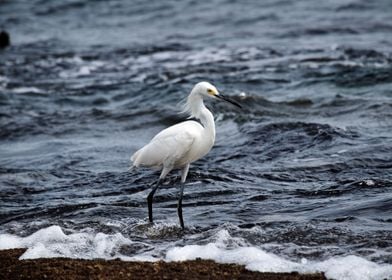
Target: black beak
227, 99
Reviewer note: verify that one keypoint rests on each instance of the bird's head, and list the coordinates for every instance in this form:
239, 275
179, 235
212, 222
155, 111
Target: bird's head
205, 89
208, 90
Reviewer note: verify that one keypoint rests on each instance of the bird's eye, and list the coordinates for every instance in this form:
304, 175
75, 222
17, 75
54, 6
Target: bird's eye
210, 91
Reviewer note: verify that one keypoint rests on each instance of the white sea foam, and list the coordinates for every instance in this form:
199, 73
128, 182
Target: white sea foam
223, 248
4, 80
21, 90
82, 68
344, 268
53, 242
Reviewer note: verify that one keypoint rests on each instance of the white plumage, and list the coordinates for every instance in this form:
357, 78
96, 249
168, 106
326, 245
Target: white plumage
179, 145
175, 146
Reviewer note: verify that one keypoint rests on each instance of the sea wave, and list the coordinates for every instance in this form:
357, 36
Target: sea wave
53, 242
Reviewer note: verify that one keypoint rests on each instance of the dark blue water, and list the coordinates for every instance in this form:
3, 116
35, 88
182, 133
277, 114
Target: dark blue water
304, 171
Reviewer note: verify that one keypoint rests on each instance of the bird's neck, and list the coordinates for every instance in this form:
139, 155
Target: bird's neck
200, 111
207, 120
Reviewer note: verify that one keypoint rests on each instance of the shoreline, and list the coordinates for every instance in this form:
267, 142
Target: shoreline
63, 268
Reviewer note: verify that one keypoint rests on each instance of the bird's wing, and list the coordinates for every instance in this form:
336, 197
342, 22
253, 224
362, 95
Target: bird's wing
168, 147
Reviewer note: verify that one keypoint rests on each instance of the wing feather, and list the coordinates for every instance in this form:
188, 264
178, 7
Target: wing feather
168, 147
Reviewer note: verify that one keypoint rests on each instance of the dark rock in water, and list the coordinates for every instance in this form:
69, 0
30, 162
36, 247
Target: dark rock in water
4, 39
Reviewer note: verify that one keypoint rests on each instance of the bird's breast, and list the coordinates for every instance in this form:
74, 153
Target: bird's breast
200, 148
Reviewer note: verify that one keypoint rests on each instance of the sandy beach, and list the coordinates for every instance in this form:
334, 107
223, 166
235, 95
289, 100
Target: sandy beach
61, 268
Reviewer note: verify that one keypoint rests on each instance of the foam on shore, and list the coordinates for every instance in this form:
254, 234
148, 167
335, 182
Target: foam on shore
53, 242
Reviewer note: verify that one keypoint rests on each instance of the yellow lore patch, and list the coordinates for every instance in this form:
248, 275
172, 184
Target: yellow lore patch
211, 92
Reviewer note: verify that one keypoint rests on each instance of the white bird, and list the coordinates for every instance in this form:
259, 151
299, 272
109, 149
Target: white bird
179, 145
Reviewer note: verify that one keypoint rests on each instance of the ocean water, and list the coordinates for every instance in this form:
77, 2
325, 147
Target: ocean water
300, 179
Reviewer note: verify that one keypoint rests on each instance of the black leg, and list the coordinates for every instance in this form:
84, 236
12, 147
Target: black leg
150, 198
179, 206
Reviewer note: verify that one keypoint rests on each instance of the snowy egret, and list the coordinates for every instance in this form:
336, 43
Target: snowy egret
179, 145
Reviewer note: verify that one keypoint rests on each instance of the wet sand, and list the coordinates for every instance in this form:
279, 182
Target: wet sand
61, 268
